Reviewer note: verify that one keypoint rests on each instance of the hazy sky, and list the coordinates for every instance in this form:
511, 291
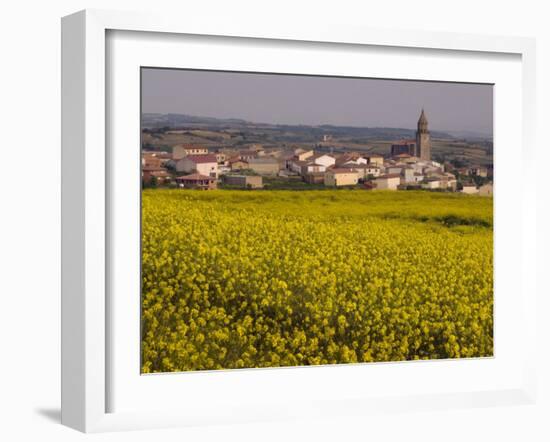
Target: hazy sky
291, 99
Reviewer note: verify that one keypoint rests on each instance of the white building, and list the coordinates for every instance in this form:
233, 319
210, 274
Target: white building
364, 170
451, 181
417, 167
394, 169
433, 183
323, 159
408, 174
432, 169
341, 177
202, 164
372, 169
313, 168
223, 169
295, 165
388, 182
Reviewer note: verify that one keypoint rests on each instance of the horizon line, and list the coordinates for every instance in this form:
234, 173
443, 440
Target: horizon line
478, 132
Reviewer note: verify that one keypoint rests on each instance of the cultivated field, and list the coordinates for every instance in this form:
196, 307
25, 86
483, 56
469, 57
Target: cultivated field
235, 279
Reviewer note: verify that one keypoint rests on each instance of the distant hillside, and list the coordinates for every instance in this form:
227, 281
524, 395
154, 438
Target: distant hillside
470, 135
182, 121
151, 121
162, 131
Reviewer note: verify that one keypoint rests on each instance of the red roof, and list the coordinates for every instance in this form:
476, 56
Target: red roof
195, 177
198, 159
389, 175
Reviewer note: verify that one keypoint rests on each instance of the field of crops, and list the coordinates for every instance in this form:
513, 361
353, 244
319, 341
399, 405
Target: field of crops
234, 279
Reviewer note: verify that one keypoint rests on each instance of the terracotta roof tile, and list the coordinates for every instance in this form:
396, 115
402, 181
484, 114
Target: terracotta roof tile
194, 177
198, 159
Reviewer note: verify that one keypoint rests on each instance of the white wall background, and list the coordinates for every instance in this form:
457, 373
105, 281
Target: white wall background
30, 215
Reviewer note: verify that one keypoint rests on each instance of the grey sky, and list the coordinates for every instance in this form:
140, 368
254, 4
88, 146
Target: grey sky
290, 99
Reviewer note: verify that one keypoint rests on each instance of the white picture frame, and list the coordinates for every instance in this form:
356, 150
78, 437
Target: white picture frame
86, 206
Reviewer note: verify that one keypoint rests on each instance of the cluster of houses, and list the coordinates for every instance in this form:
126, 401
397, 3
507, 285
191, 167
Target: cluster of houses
408, 166
194, 166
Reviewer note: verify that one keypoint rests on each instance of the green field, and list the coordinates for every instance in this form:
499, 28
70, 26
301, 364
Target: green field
234, 279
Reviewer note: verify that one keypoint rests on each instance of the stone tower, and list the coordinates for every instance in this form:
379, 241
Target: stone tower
423, 142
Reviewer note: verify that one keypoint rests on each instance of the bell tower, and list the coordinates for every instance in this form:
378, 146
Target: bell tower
423, 142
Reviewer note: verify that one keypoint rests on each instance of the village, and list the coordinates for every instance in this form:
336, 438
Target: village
407, 166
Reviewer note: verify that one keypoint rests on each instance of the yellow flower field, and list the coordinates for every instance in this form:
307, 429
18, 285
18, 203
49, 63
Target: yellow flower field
234, 279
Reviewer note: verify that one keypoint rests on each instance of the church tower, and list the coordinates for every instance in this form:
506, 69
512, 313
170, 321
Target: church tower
423, 142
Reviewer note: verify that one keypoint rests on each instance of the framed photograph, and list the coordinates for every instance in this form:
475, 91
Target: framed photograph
270, 223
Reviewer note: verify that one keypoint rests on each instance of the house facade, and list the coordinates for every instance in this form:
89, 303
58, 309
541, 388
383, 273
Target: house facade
302, 155
202, 164
314, 178
407, 173
323, 159
365, 171
246, 181
264, 165
197, 181
295, 165
375, 159
182, 150
312, 168
388, 182
157, 174
433, 183
237, 164
247, 155
394, 169
151, 160
341, 177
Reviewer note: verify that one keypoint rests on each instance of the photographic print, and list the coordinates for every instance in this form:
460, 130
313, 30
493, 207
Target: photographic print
300, 220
